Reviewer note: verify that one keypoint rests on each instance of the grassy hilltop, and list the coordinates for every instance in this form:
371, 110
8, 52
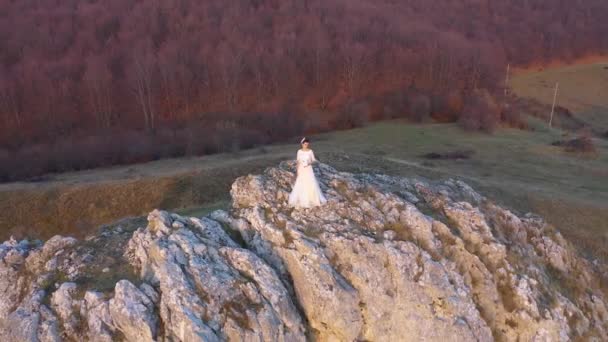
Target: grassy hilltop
520, 169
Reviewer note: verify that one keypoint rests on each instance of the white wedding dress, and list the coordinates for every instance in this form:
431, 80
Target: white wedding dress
306, 192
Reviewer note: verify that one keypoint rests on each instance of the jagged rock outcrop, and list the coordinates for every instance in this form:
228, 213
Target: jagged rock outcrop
385, 259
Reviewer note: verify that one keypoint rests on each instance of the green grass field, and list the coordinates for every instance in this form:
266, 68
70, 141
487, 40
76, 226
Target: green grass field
518, 169
583, 89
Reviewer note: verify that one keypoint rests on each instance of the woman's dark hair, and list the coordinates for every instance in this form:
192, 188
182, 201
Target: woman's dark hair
304, 140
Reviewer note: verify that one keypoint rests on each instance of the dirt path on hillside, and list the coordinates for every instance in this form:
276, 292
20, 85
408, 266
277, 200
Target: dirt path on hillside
76, 203
154, 169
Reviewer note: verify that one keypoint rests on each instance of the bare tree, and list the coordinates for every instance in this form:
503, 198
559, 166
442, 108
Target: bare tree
506, 90
354, 61
276, 73
168, 85
259, 75
98, 81
232, 66
10, 102
143, 67
320, 51
474, 75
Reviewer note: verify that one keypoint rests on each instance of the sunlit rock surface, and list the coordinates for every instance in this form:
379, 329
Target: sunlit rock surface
386, 259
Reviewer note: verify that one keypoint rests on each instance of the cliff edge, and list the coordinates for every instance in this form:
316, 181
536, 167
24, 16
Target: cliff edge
386, 259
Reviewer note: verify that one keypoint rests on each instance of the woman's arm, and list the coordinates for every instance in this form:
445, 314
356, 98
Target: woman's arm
312, 154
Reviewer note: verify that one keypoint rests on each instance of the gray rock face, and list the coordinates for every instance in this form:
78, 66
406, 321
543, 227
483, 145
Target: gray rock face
211, 288
133, 312
385, 259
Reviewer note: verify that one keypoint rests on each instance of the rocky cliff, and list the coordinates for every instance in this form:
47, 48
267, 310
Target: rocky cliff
387, 259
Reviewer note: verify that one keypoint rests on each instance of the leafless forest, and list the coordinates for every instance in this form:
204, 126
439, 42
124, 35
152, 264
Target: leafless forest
95, 83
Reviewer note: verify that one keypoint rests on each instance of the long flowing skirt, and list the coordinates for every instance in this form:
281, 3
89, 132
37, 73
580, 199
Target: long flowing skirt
306, 192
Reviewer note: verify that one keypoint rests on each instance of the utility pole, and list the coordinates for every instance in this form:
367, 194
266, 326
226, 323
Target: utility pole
507, 79
553, 107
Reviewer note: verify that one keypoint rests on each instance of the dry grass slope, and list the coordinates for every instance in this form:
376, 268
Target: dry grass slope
518, 169
583, 89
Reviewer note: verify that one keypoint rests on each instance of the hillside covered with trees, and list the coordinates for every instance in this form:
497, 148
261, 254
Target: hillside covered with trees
93, 83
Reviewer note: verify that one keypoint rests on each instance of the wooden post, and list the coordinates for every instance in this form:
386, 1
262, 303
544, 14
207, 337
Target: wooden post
553, 107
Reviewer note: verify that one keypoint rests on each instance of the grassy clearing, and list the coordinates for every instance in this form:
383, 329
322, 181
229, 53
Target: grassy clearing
583, 89
508, 158
518, 169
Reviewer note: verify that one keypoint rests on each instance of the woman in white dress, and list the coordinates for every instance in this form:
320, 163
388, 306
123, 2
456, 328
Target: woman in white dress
306, 192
